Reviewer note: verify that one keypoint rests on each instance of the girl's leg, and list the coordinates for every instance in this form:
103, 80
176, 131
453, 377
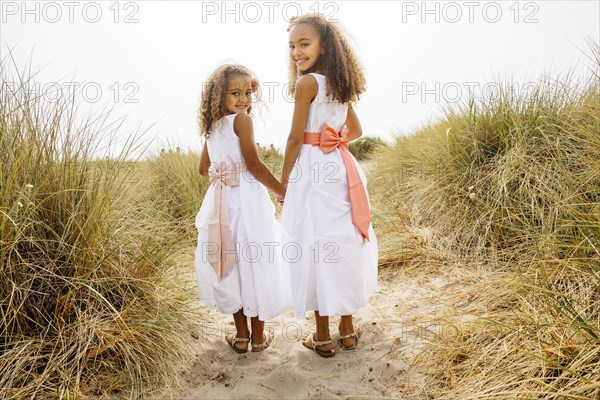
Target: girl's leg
241, 330
258, 335
321, 334
347, 328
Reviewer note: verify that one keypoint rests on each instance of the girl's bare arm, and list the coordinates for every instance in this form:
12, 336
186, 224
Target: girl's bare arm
305, 92
243, 128
204, 161
353, 125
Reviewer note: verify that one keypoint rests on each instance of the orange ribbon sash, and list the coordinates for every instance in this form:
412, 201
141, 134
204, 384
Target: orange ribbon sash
329, 140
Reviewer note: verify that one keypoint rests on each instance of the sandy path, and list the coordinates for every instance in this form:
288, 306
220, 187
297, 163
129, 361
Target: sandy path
394, 325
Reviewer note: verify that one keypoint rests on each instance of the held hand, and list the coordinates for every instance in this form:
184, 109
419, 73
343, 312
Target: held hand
281, 196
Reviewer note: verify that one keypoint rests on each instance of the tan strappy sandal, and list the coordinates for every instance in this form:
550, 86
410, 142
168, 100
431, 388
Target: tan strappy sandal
235, 340
322, 353
264, 345
356, 332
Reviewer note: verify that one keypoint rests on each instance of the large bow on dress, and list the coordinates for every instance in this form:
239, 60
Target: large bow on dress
219, 234
329, 140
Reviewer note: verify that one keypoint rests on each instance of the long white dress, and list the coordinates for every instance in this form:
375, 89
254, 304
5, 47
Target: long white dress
255, 282
331, 269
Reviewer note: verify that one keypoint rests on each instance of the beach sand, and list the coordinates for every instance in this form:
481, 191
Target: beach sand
400, 316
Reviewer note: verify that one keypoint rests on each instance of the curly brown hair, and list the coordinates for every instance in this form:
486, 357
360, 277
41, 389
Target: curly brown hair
345, 76
212, 103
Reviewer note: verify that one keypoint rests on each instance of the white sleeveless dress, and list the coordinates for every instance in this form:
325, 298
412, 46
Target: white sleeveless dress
330, 268
255, 282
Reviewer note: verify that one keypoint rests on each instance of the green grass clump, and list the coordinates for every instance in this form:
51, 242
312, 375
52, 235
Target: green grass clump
512, 182
516, 174
272, 158
364, 147
88, 300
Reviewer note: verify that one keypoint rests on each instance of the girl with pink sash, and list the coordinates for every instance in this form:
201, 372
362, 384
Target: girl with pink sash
238, 266
326, 215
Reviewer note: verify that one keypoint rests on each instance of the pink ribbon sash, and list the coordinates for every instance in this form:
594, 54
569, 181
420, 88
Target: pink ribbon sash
219, 233
329, 140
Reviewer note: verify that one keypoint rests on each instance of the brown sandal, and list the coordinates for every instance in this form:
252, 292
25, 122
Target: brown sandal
235, 340
322, 353
356, 332
264, 345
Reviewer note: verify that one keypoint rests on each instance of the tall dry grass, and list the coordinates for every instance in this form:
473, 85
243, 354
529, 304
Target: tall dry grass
511, 182
363, 148
176, 190
88, 302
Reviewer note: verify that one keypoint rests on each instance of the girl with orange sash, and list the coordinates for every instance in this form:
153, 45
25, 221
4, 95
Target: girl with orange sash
326, 217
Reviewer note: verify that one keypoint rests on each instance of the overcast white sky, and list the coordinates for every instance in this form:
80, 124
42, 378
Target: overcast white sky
150, 58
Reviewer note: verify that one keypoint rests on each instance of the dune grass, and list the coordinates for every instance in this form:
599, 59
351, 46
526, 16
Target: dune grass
364, 147
511, 183
89, 303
